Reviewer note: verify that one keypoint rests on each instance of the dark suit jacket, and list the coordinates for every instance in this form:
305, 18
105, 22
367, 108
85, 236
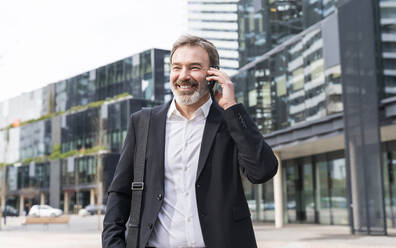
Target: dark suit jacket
231, 143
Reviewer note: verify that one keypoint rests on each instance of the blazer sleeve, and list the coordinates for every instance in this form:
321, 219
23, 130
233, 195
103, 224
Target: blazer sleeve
255, 157
119, 195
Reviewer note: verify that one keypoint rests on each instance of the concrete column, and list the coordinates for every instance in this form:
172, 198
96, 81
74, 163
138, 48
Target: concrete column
92, 197
42, 198
3, 201
259, 196
66, 202
55, 183
278, 194
21, 205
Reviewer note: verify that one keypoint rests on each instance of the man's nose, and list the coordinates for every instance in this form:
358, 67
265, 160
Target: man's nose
184, 74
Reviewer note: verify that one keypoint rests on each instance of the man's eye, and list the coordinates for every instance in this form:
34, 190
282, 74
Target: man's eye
196, 68
175, 68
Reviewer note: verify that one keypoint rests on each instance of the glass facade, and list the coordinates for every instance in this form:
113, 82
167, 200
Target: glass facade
79, 132
117, 125
291, 75
388, 38
314, 191
35, 139
389, 169
217, 21
292, 84
104, 126
79, 171
34, 175
135, 75
144, 76
265, 24
117, 121
360, 78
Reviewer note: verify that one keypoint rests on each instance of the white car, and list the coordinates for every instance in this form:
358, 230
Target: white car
44, 211
92, 210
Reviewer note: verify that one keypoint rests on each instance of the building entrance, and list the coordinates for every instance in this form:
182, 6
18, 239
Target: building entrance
316, 189
299, 191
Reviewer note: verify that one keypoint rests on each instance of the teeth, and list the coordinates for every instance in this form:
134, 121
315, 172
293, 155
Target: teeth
185, 87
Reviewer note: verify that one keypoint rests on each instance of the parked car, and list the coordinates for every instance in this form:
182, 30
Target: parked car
92, 210
44, 211
263, 205
9, 211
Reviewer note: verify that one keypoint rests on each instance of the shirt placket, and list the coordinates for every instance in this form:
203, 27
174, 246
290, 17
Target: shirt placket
186, 192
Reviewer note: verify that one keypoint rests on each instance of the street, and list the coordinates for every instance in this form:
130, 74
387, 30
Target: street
82, 232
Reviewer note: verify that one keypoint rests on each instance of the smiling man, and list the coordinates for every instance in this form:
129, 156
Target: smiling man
197, 147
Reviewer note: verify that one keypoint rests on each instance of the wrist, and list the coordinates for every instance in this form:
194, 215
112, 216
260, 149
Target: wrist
228, 105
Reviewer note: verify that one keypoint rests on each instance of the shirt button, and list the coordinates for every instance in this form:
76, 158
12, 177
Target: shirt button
159, 197
186, 194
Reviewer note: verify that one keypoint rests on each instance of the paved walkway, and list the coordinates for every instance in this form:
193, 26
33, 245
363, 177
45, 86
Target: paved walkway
318, 236
82, 232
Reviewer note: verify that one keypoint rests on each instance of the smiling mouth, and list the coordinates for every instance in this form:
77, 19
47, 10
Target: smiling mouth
186, 86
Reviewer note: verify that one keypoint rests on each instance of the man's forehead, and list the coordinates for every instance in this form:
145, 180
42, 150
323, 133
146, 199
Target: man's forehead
190, 54
187, 62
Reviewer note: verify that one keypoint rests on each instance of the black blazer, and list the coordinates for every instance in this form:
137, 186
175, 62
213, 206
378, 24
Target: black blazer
231, 143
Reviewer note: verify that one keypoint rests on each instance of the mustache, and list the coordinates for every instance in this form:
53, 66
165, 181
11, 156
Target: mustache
187, 82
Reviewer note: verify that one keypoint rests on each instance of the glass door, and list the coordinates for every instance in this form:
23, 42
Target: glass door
308, 203
390, 187
323, 191
300, 192
290, 175
337, 185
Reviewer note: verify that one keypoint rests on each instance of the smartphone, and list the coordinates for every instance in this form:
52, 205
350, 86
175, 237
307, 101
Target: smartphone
213, 84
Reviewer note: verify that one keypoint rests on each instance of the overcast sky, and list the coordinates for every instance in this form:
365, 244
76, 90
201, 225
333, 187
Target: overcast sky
44, 41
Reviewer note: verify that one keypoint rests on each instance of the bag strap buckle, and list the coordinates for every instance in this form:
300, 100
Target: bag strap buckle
137, 186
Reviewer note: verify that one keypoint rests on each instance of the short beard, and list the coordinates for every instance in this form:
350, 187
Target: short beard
194, 97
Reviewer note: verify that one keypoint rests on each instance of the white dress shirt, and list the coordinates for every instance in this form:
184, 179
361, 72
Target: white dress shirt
178, 222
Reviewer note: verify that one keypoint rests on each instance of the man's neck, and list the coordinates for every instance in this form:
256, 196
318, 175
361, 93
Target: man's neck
188, 110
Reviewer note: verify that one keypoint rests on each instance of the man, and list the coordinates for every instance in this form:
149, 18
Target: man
193, 195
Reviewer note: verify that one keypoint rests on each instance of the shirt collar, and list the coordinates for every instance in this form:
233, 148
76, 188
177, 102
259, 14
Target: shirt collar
204, 108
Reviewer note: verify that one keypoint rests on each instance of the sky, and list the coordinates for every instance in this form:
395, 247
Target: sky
44, 41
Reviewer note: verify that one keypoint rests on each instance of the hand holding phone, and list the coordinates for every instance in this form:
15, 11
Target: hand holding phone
221, 88
213, 84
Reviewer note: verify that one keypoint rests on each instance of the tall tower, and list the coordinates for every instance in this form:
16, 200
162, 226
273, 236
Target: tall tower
216, 21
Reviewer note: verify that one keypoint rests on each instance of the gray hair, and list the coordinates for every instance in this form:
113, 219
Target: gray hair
190, 40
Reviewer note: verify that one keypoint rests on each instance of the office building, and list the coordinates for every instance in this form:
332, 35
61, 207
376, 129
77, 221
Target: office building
216, 21
60, 144
318, 80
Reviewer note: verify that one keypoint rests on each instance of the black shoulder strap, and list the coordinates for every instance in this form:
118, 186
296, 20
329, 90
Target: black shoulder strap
141, 132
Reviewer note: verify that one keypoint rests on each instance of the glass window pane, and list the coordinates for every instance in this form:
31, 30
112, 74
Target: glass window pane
338, 199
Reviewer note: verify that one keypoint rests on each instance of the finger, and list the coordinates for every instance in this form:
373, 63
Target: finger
218, 95
213, 71
213, 68
215, 78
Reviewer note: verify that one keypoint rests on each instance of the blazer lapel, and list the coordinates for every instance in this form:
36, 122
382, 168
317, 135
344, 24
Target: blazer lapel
212, 124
